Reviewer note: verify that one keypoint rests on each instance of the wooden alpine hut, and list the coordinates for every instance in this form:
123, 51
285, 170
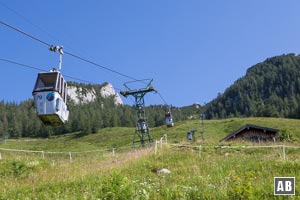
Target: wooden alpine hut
252, 133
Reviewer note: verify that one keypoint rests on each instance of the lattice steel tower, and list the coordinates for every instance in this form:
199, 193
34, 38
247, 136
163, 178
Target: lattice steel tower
142, 128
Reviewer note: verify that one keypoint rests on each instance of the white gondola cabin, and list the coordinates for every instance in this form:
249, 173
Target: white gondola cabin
169, 120
50, 96
142, 125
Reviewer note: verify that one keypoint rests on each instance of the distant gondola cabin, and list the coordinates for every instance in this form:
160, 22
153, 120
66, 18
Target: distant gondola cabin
142, 125
252, 133
169, 120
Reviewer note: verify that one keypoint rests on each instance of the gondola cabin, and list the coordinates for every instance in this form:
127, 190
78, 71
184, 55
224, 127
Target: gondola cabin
142, 125
50, 96
169, 120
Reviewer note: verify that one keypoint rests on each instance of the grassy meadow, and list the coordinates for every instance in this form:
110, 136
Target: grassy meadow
104, 166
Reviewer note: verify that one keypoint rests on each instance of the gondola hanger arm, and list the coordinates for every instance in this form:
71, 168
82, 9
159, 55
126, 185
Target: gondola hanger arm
60, 50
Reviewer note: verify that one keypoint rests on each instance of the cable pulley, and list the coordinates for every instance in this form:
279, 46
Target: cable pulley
60, 50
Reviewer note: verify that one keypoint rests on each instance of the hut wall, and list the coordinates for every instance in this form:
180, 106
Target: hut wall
254, 135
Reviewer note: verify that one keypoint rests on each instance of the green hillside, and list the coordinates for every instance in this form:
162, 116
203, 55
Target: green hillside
269, 89
121, 137
87, 167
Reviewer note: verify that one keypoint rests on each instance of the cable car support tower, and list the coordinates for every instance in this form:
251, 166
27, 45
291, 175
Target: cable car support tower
142, 128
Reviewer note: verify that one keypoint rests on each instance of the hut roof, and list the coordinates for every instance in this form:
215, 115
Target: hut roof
249, 126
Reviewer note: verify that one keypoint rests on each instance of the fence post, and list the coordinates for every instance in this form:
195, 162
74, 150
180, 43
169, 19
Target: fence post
43, 154
200, 148
283, 151
70, 157
113, 152
155, 148
0, 156
166, 136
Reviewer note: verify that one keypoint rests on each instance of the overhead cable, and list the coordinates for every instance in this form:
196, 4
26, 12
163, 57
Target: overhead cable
93, 63
66, 52
30, 22
43, 70
22, 32
162, 98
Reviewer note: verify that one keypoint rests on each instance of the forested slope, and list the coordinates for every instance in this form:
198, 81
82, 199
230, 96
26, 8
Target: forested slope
269, 89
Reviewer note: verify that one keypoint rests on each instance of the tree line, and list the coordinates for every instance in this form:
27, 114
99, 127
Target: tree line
20, 119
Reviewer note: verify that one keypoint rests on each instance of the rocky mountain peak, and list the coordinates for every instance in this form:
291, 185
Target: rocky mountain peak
83, 94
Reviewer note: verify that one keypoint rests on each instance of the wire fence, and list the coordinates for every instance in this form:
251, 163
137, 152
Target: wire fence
66, 155
280, 151
283, 151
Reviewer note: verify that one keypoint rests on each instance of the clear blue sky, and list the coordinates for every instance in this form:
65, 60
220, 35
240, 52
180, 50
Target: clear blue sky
192, 49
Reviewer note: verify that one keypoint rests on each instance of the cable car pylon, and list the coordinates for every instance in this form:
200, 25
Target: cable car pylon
50, 94
142, 128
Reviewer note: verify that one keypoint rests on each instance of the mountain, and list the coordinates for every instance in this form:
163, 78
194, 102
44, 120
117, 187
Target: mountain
81, 93
270, 89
